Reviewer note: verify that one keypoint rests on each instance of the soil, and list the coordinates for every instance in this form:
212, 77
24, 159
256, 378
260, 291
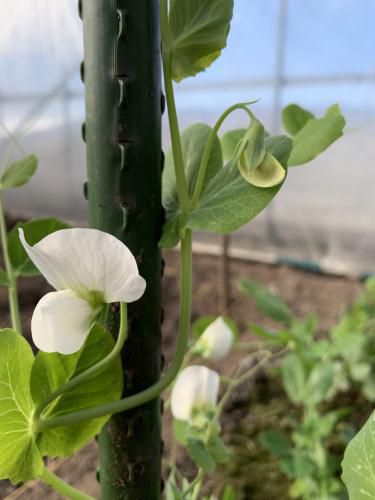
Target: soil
255, 406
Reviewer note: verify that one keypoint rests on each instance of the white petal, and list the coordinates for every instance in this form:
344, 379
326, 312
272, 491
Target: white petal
61, 322
216, 340
195, 386
85, 260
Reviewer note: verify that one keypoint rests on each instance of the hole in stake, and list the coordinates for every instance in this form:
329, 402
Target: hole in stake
123, 147
82, 71
80, 9
83, 131
86, 190
122, 87
122, 17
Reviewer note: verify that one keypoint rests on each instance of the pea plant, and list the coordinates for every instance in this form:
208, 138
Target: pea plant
314, 370
356, 332
54, 402
312, 373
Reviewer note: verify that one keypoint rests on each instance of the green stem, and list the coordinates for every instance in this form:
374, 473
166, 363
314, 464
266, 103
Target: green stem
90, 371
12, 289
207, 150
197, 489
195, 485
153, 391
178, 158
241, 379
254, 344
62, 487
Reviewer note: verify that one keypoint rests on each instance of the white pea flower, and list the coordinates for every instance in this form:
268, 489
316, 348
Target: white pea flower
196, 388
88, 268
216, 340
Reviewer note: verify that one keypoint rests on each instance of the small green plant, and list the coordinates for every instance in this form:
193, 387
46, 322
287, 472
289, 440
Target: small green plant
313, 372
354, 338
356, 332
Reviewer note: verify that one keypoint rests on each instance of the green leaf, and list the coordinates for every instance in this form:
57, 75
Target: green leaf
280, 146
251, 150
200, 455
276, 443
19, 173
328, 421
281, 337
294, 378
199, 325
198, 31
229, 142
319, 382
4, 280
228, 493
227, 200
295, 118
173, 228
368, 389
359, 463
51, 370
34, 230
218, 451
303, 466
20, 459
172, 491
193, 141
181, 430
316, 136
270, 304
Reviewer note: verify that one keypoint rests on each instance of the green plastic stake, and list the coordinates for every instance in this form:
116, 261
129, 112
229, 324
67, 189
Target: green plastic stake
122, 78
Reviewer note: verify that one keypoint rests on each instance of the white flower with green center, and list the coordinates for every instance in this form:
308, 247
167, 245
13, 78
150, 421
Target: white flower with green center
216, 341
88, 268
196, 389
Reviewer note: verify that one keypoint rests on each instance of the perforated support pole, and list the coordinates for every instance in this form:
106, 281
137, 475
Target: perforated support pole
121, 72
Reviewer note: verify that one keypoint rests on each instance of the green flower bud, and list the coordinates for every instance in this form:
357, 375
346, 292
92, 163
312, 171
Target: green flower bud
257, 167
250, 150
268, 174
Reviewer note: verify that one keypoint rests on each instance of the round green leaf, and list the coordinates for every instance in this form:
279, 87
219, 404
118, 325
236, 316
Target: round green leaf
295, 118
316, 135
198, 31
270, 304
19, 173
359, 463
52, 370
20, 459
229, 142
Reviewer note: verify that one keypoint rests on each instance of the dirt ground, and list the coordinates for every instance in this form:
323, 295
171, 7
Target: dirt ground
304, 292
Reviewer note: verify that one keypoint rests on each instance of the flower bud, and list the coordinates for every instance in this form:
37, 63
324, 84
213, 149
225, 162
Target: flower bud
216, 340
250, 150
268, 174
256, 165
196, 390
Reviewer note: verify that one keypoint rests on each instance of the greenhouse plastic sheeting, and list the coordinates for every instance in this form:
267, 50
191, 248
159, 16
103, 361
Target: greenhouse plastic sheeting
279, 51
